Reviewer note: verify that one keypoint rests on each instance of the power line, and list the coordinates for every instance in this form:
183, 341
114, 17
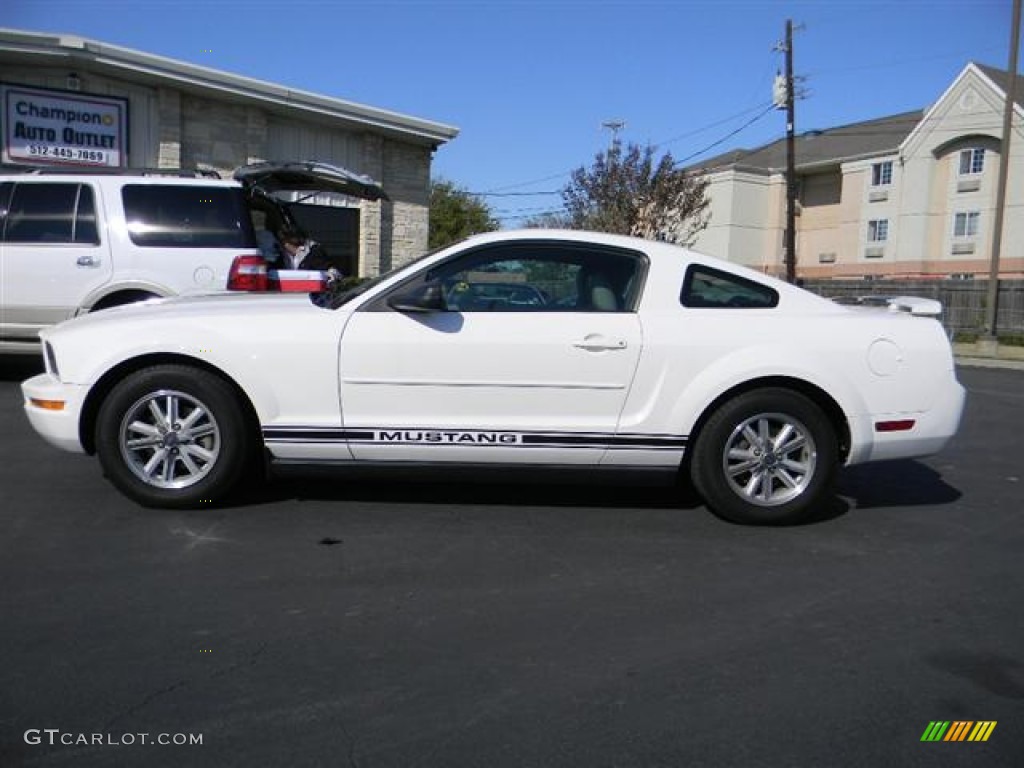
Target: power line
708, 127
694, 132
899, 63
725, 138
514, 194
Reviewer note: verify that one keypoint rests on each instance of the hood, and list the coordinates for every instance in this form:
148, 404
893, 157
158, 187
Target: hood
224, 330
179, 308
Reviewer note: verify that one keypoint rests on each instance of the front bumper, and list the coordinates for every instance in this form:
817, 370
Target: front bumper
58, 427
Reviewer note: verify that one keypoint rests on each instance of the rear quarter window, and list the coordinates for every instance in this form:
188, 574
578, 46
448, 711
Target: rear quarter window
187, 216
709, 288
48, 213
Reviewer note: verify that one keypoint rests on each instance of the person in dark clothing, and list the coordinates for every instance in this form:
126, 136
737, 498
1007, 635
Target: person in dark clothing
298, 251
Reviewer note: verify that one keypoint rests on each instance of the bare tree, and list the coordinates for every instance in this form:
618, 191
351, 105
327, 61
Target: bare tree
630, 193
548, 220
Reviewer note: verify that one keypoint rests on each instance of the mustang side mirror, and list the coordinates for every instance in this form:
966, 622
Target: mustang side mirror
426, 298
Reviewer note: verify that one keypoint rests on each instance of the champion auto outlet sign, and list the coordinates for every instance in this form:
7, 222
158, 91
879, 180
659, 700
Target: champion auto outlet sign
45, 126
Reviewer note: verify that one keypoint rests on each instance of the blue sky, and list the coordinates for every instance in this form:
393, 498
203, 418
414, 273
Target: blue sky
530, 82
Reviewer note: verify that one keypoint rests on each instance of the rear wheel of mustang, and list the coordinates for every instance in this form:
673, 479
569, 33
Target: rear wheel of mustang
173, 436
768, 456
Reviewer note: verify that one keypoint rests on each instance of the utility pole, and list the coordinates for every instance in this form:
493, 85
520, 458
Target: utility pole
614, 126
991, 340
790, 244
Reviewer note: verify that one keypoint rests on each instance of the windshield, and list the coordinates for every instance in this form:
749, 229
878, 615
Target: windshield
346, 295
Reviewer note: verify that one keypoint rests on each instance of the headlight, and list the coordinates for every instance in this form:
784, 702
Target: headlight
51, 360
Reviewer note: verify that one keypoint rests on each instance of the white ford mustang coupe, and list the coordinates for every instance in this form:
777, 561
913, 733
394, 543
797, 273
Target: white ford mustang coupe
512, 348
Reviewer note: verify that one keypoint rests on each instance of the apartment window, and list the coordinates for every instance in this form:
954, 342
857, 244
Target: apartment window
972, 161
881, 174
965, 224
878, 230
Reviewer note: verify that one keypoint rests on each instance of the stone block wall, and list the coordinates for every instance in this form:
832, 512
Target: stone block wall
223, 136
214, 134
407, 180
169, 131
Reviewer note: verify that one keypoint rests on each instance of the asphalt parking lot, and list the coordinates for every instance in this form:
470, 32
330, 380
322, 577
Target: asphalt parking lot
367, 622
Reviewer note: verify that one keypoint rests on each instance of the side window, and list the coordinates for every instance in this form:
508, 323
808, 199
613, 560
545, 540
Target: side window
42, 213
540, 278
705, 287
48, 213
187, 216
6, 188
85, 230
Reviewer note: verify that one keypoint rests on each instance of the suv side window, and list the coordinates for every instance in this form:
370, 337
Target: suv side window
51, 213
187, 216
5, 205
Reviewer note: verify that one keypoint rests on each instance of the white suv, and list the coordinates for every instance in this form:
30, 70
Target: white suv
75, 241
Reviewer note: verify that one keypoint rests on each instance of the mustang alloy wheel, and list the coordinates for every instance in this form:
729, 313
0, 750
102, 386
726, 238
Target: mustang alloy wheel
767, 456
172, 436
769, 459
169, 439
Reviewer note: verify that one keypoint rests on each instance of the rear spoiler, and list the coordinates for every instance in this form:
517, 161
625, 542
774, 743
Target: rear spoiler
913, 305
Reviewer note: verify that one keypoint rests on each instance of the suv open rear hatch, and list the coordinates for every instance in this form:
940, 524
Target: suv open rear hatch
274, 188
277, 182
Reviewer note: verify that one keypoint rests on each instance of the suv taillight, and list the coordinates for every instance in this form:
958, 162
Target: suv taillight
248, 273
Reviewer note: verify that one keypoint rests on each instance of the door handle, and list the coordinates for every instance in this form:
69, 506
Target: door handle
86, 261
595, 343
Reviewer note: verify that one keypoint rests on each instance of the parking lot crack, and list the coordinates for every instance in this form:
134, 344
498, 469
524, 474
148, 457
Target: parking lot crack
250, 660
351, 744
145, 702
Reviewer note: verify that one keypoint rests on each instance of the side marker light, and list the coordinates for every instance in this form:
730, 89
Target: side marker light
47, 405
901, 425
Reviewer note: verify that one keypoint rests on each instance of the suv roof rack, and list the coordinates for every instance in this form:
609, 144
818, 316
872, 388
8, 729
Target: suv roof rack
186, 173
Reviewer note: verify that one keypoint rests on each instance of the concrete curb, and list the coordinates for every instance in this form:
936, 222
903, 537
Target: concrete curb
990, 362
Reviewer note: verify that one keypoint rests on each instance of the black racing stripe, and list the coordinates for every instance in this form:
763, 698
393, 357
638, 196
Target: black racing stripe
526, 439
616, 441
314, 435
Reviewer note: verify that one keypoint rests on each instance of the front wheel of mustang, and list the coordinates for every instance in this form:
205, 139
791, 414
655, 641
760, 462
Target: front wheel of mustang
172, 436
766, 457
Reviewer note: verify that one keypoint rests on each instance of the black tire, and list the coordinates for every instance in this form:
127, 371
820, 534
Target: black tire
742, 482
193, 460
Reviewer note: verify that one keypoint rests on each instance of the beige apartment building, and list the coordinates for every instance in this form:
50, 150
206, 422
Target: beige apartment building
910, 195
71, 101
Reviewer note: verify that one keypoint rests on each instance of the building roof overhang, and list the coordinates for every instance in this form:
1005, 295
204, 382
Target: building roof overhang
103, 58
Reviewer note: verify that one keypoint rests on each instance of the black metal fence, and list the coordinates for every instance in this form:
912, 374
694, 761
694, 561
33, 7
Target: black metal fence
964, 302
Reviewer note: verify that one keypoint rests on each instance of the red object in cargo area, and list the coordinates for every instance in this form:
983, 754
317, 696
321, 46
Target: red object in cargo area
251, 273
297, 280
